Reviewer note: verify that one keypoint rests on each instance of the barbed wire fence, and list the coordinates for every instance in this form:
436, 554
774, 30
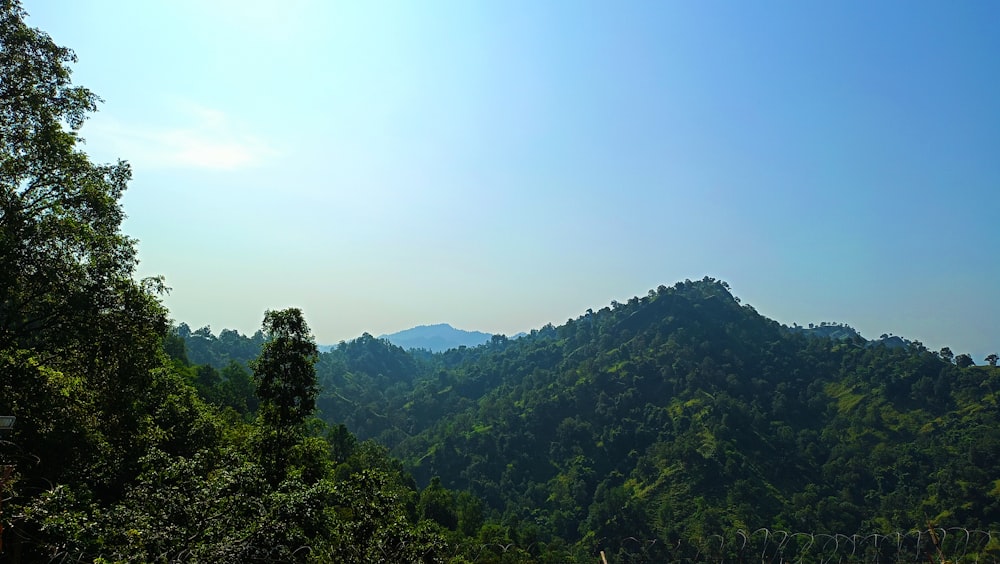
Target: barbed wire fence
938, 545
935, 544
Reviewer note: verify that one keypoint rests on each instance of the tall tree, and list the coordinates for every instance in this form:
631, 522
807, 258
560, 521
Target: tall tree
80, 338
285, 371
60, 244
964, 361
285, 375
946, 354
73, 321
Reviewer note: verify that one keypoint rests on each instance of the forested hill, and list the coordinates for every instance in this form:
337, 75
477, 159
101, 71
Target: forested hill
674, 415
686, 412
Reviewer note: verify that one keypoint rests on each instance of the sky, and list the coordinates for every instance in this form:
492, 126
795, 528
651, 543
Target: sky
503, 165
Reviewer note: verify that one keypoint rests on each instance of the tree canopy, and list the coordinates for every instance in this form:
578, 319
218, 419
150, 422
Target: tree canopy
115, 456
284, 372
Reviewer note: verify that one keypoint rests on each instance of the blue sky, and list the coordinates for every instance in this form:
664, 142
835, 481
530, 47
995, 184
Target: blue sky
502, 165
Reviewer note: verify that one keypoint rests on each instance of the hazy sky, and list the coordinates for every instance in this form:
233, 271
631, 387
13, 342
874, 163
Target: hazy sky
501, 165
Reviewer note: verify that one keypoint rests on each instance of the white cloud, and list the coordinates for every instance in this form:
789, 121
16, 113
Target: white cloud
202, 138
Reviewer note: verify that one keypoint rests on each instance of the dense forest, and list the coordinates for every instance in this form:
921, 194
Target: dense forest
677, 426
114, 455
678, 416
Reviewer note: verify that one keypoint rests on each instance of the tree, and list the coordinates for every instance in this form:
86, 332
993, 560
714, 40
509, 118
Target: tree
964, 361
80, 339
946, 354
285, 375
992, 359
69, 306
438, 504
285, 371
60, 244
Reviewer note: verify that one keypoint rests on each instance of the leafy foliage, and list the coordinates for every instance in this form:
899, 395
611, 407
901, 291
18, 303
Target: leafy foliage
284, 372
117, 456
686, 413
202, 347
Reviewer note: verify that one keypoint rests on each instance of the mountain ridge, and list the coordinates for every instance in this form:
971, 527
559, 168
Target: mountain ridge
686, 411
437, 337
678, 413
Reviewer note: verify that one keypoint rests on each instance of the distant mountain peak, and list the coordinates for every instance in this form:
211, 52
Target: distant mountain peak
437, 337
446, 326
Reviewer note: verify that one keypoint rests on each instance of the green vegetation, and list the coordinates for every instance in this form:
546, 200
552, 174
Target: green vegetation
684, 414
116, 456
677, 416
645, 429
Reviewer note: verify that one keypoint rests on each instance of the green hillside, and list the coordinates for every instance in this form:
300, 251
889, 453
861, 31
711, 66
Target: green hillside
686, 413
678, 416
